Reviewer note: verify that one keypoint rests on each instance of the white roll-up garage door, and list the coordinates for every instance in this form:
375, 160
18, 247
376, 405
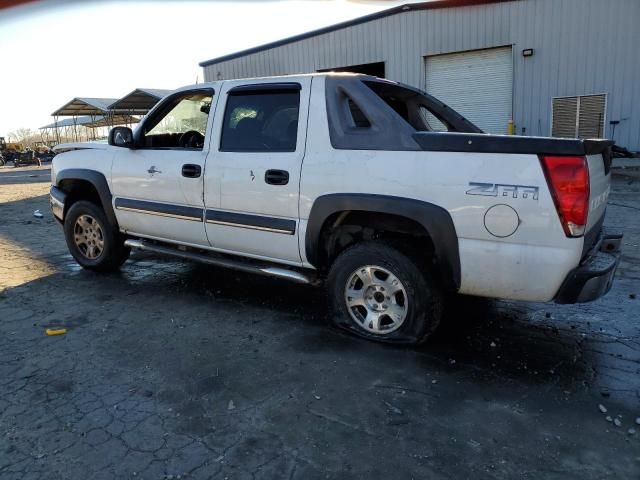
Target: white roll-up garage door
478, 84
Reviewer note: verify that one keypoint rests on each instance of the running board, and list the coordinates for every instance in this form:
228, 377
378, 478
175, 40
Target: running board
243, 266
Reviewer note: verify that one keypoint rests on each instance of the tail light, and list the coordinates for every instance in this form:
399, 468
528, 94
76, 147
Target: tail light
568, 180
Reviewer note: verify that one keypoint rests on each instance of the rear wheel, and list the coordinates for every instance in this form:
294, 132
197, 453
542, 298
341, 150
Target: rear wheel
380, 293
92, 240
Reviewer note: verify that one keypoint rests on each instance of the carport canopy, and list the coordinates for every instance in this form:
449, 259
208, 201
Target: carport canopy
70, 122
93, 121
139, 101
85, 106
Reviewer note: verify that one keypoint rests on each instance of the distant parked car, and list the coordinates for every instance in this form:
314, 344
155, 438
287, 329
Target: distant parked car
28, 157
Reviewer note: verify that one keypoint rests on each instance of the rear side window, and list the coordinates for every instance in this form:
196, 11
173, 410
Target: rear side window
373, 114
261, 121
431, 121
409, 105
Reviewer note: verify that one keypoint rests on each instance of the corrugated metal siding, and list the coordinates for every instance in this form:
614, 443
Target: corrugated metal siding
582, 47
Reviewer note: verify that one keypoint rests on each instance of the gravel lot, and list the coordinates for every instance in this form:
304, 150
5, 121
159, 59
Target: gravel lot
176, 370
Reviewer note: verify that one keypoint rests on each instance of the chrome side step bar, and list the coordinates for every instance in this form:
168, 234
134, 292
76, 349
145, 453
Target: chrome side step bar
244, 266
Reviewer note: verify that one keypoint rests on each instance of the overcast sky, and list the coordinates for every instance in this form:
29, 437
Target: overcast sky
52, 51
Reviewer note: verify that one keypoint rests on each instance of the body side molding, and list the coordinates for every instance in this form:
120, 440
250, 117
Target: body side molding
161, 209
255, 222
435, 220
198, 214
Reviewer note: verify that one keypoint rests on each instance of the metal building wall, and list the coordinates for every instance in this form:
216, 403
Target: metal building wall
581, 47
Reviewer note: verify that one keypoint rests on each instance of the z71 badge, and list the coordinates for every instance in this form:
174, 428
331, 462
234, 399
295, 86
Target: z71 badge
503, 190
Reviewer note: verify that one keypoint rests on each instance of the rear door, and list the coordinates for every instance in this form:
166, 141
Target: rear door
252, 179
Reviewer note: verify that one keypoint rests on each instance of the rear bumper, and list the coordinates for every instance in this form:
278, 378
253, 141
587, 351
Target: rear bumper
594, 276
56, 199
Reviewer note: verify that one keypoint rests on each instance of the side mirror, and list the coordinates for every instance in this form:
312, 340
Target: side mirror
121, 137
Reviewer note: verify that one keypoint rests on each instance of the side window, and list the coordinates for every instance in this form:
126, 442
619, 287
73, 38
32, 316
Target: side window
406, 103
182, 123
261, 121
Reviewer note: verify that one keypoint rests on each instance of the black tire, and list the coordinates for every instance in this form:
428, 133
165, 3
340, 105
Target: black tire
113, 252
424, 299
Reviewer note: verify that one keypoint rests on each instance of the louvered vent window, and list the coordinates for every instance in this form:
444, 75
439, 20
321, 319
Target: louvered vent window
578, 117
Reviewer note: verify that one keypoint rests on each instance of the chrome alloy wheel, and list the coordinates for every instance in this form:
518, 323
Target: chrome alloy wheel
376, 299
88, 236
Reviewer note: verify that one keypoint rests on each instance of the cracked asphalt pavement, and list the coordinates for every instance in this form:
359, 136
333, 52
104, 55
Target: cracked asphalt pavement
177, 370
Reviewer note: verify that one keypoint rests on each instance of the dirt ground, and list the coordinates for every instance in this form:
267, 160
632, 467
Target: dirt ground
177, 370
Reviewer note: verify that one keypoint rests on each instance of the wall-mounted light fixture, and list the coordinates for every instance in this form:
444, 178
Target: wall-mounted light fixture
527, 52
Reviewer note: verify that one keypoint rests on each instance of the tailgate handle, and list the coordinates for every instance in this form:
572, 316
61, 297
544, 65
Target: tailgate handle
190, 170
276, 177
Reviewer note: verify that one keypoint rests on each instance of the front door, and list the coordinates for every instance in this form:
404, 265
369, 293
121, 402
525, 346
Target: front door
253, 175
158, 186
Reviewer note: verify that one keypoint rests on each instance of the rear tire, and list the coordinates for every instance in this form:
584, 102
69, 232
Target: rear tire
92, 240
380, 293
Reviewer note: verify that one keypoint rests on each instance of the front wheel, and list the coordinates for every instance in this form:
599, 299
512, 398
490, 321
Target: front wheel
92, 240
379, 292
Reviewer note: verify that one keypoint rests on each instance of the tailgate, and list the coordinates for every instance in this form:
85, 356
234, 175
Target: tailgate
598, 154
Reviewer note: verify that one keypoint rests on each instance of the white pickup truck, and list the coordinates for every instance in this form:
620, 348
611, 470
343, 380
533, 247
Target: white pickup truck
383, 191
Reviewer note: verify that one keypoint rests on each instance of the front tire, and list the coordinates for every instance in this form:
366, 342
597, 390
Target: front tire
379, 292
92, 240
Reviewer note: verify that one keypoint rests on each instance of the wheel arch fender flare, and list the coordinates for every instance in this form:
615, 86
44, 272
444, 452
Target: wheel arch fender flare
99, 182
434, 219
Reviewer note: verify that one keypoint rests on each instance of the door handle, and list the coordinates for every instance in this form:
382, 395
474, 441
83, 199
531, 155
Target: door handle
190, 170
276, 177
153, 170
